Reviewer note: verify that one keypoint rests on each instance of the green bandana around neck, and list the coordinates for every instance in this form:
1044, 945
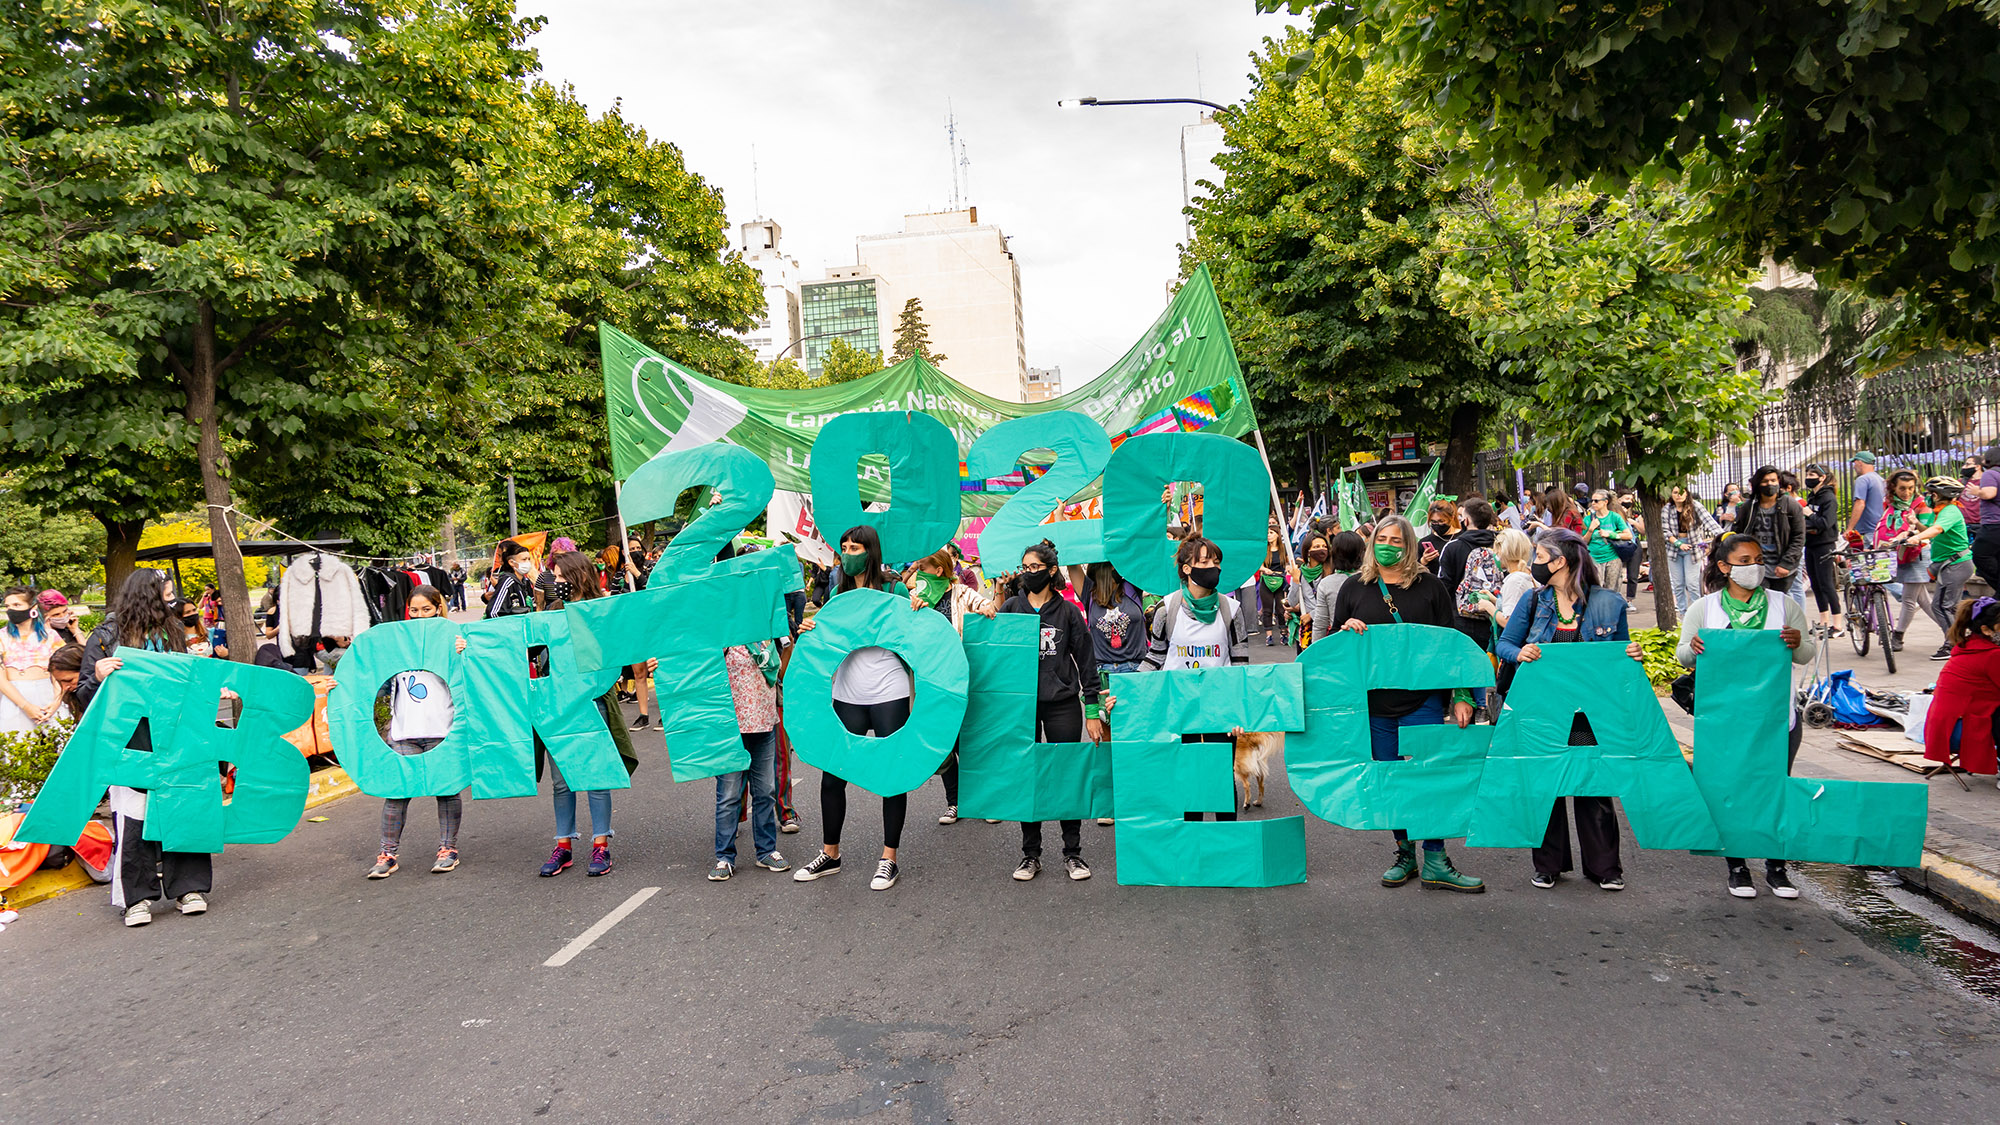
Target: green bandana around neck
1745, 615
1312, 573
1202, 608
931, 588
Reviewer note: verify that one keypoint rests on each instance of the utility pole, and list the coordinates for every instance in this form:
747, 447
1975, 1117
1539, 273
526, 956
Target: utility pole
513, 516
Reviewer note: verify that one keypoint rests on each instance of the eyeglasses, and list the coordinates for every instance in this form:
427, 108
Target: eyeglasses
1033, 568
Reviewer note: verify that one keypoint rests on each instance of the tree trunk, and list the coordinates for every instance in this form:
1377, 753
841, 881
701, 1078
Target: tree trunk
199, 382
1650, 503
1461, 449
121, 544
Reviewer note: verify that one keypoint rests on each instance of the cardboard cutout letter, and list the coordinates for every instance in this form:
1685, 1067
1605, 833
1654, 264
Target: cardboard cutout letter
505, 709
176, 696
1081, 450
1531, 764
1742, 716
1160, 778
1236, 497
927, 644
1430, 791
377, 654
1003, 773
923, 488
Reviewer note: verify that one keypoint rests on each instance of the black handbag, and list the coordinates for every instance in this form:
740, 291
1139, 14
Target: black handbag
1682, 690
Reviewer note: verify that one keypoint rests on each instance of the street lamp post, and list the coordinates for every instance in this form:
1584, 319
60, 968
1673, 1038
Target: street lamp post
1084, 103
814, 336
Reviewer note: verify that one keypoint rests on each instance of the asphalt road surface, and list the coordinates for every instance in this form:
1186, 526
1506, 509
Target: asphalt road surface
307, 994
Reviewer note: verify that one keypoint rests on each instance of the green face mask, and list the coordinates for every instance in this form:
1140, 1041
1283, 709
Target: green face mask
852, 565
932, 587
1387, 555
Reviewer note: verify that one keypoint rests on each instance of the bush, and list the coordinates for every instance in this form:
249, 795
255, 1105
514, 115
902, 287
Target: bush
26, 759
1662, 666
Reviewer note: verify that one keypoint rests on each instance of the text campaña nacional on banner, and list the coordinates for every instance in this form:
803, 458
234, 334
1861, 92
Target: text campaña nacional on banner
1180, 377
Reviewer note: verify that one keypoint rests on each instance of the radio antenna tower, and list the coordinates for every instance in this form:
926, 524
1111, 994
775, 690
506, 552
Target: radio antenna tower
961, 164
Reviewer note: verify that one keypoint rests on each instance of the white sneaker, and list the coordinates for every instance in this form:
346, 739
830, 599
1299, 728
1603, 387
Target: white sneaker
193, 903
138, 914
950, 815
885, 876
1105, 821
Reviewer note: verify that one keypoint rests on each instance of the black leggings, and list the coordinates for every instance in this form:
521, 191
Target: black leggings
1819, 564
884, 719
1056, 720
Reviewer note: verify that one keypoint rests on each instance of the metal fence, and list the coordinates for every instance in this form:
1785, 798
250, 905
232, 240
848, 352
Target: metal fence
1925, 418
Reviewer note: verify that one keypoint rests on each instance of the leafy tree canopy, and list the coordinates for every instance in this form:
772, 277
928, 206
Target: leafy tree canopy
1854, 139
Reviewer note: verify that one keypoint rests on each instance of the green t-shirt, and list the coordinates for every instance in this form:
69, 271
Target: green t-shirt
1952, 542
1601, 530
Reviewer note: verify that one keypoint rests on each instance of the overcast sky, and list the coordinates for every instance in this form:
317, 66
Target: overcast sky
846, 105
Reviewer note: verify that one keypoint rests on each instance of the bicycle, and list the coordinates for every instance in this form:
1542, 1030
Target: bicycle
1867, 574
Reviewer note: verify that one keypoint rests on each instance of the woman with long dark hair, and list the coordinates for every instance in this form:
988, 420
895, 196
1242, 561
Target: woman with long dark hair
1303, 597
27, 695
575, 579
1740, 597
1065, 683
872, 690
142, 616
1571, 606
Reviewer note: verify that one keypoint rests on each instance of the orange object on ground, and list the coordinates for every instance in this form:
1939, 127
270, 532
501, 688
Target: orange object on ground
20, 860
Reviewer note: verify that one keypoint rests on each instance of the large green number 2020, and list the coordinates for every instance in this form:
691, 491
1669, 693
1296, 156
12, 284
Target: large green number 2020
1081, 451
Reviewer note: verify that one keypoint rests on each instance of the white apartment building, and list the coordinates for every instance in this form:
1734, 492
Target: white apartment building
778, 326
970, 287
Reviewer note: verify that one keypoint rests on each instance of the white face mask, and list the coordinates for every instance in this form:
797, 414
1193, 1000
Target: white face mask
1747, 575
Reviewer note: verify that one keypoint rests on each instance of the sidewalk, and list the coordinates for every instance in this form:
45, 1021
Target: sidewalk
1962, 845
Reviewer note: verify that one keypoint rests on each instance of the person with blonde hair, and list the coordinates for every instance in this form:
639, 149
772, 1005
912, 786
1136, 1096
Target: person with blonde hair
1394, 588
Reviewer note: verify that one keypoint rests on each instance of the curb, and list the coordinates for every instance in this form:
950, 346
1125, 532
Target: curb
327, 785
1968, 888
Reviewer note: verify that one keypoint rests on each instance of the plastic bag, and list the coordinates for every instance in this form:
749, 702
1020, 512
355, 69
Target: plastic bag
1849, 704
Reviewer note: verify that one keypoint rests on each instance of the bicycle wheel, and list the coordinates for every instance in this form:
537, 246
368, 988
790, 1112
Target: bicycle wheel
1884, 621
1860, 630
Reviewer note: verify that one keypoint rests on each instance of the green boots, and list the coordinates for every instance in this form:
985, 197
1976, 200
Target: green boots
1438, 872
1405, 867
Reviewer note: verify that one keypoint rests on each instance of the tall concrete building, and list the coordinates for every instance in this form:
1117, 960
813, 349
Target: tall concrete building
970, 287
847, 306
1041, 384
778, 327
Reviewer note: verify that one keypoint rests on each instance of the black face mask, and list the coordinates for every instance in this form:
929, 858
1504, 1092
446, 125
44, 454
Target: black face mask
1035, 581
1767, 490
1441, 529
1812, 482
1204, 576
1967, 473
19, 616
1541, 573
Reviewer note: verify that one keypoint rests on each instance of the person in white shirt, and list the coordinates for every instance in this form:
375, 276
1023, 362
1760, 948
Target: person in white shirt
1195, 627
420, 713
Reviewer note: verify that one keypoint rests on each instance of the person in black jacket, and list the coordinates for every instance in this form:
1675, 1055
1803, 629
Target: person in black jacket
1451, 567
1393, 589
1067, 669
514, 591
1822, 540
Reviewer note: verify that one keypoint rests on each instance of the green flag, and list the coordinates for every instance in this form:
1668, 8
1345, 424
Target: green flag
1421, 501
1344, 494
1181, 376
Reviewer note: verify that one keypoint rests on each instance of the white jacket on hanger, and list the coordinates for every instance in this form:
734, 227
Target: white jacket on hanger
342, 610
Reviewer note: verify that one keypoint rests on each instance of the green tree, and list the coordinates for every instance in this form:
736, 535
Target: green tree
1624, 327
845, 362
1322, 240
913, 336
238, 209
1851, 138
45, 548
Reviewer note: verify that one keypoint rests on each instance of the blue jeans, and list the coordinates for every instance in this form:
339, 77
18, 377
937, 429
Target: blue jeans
1384, 740
1126, 666
565, 799
1684, 570
761, 778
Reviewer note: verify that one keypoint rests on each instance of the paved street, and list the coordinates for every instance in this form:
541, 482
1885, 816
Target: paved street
309, 994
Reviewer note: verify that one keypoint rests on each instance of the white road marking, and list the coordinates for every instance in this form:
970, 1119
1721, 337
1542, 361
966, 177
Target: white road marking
603, 926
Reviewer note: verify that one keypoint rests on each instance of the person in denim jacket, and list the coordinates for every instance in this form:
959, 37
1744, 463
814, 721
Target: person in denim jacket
1570, 606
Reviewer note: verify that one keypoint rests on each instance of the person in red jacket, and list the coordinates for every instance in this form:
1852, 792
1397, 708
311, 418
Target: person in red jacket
1962, 714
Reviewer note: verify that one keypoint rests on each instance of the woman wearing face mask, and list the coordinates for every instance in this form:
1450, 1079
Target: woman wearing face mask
1727, 507
60, 616
1605, 530
514, 584
1303, 597
1393, 589
1571, 606
575, 579
872, 689
1902, 519
1741, 598
1778, 523
932, 587
27, 695
1944, 534
1822, 508
1438, 533
1343, 561
1964, 718
1271, 593
1067, 670
194, 638
1689, 530
1195, 627
141, 617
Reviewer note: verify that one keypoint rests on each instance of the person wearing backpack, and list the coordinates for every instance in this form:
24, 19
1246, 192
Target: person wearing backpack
1470, 569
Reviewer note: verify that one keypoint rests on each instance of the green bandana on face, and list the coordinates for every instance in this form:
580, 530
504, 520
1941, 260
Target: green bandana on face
1202, 608
931, 588
853, 565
